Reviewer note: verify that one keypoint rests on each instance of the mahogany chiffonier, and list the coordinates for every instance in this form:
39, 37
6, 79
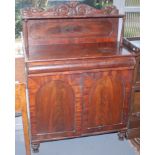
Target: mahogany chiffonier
79, 74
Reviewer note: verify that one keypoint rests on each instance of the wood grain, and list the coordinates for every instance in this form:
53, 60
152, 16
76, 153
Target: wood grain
55, 103
20, 106
20, 69
65, 104
134, 119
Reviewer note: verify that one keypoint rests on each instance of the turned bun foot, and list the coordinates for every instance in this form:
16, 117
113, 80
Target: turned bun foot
121, 135
35, 148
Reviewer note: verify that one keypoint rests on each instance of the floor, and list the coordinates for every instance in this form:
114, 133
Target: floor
107, 144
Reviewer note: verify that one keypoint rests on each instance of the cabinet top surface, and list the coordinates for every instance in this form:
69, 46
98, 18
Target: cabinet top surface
76, 51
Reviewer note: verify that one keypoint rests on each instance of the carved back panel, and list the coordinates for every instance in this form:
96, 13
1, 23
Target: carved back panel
68, 10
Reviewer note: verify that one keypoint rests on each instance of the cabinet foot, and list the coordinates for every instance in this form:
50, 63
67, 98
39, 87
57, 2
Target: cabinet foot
121, 135
35, 148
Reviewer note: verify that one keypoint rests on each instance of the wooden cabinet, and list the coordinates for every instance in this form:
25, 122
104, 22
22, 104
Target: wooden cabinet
134, 119
79, 76
72, 104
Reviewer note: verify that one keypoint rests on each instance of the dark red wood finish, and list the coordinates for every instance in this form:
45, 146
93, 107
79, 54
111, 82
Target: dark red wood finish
134, 119
79, 76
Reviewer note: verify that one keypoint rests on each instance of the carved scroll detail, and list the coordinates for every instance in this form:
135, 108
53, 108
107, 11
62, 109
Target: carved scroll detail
70, 9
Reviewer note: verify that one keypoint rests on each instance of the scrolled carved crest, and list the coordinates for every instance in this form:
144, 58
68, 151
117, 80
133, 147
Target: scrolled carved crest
69, 9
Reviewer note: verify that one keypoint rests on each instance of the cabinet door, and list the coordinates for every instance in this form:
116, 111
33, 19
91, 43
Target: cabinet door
105, 100
54, 106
